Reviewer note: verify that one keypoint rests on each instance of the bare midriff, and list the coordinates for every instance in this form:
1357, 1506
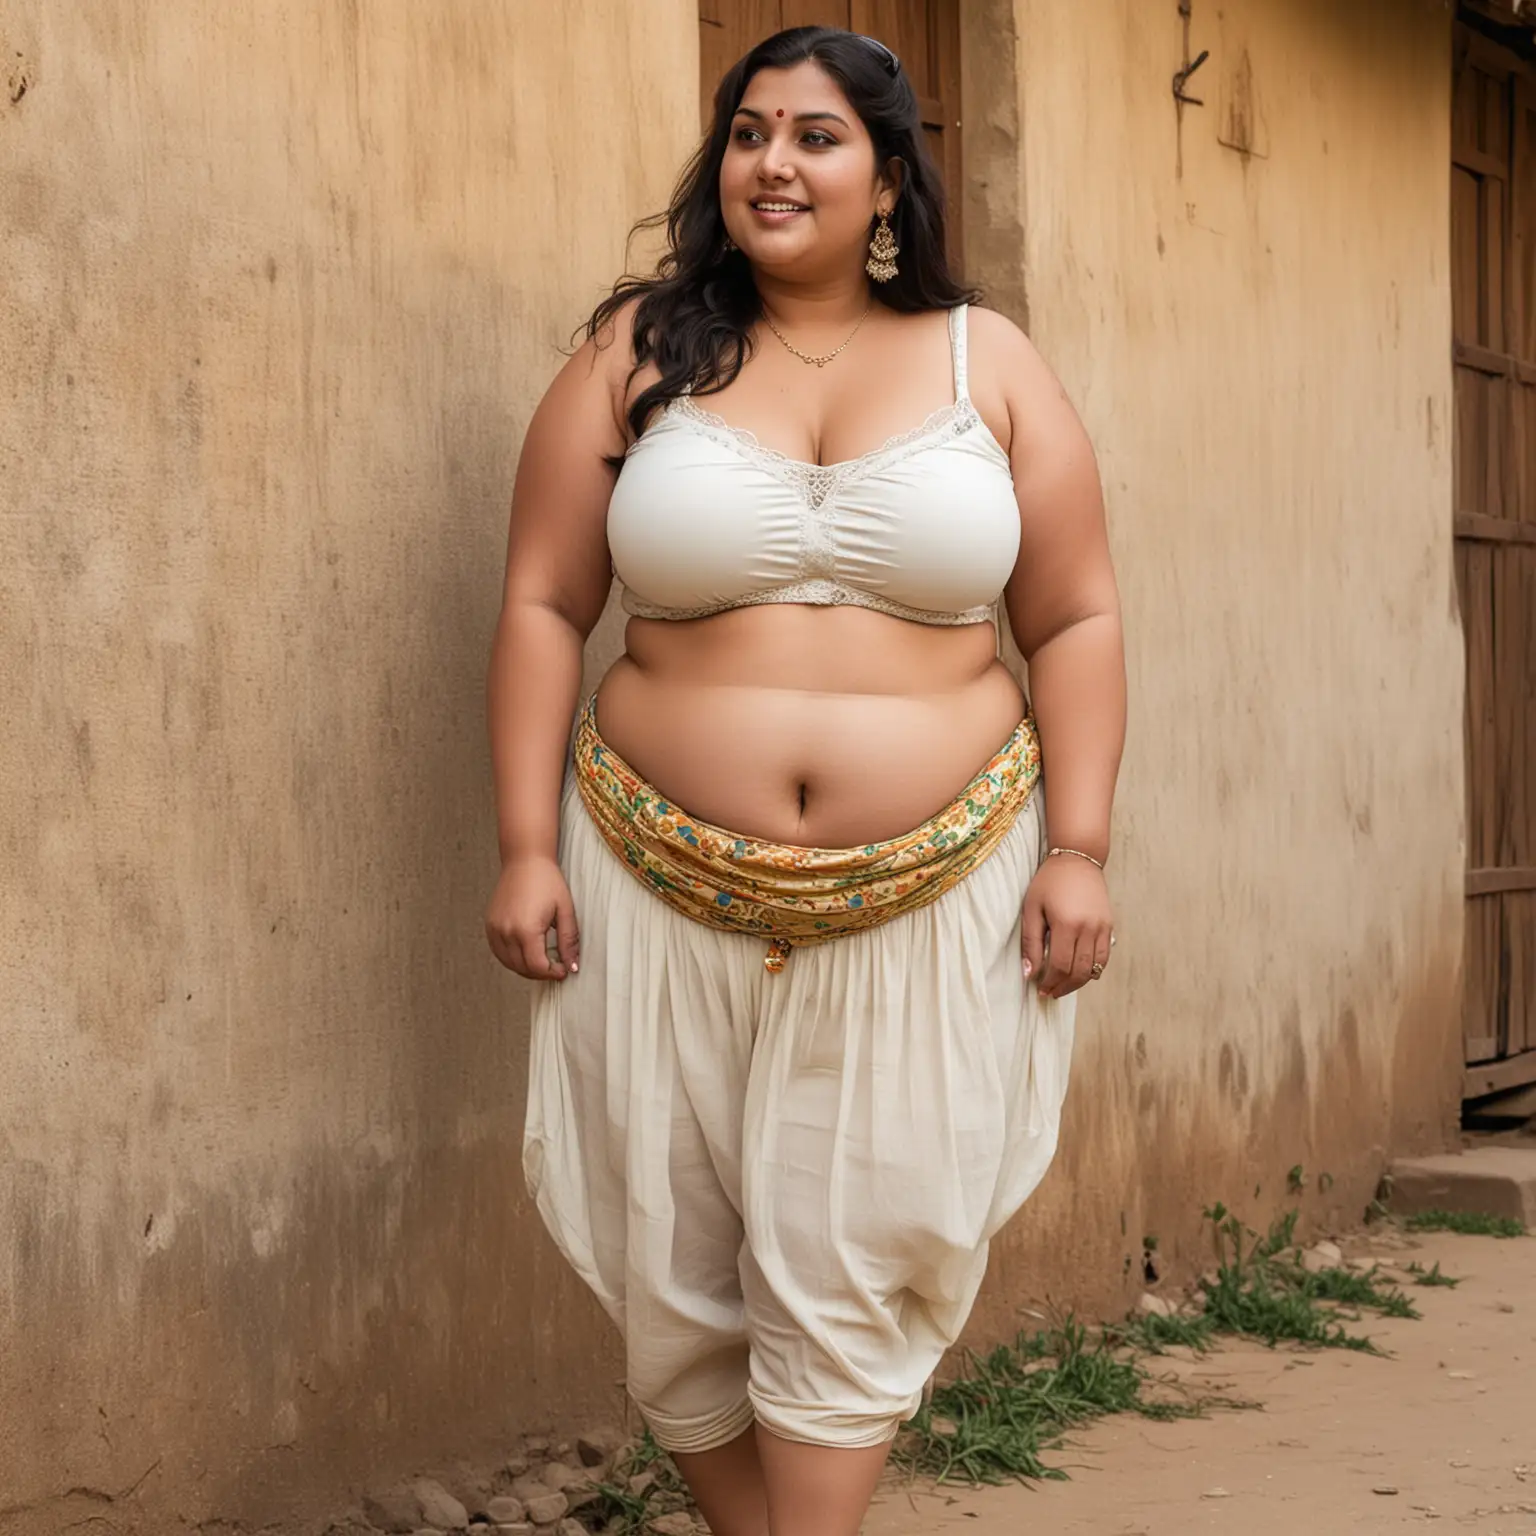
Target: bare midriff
820, 727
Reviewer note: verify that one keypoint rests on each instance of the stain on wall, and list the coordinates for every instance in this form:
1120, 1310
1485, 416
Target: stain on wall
283, 286
1256, 346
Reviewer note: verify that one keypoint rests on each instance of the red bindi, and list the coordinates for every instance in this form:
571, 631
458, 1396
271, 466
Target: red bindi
779, 113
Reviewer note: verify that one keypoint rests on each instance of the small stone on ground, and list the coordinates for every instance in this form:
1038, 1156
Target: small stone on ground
547, 1510
395, 1510
674, 1525
439, 1508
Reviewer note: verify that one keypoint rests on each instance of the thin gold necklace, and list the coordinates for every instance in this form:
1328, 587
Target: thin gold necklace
805, 357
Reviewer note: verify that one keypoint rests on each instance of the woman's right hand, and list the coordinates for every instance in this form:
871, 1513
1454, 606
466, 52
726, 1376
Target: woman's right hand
530, 898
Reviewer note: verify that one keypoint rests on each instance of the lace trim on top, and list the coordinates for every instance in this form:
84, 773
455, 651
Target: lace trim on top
820, 592
817, 482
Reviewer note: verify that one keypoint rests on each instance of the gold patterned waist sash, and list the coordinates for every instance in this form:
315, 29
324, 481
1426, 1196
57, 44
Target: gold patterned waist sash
794, 896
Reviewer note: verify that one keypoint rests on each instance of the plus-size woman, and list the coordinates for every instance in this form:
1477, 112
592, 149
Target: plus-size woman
804, 928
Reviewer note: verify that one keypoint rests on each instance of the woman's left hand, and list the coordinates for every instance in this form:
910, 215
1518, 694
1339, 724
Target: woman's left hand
1069, 900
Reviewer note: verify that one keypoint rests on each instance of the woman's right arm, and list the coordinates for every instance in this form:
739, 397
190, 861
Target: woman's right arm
557, 580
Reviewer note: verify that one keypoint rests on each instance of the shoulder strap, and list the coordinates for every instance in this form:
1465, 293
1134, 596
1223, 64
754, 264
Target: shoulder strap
957, 328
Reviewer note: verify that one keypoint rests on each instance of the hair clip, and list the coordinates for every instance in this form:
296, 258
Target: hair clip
887, 58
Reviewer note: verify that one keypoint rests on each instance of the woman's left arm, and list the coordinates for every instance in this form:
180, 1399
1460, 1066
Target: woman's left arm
1064, 611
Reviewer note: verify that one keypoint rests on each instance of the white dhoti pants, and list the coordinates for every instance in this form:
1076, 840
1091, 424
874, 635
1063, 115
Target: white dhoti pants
782, 1187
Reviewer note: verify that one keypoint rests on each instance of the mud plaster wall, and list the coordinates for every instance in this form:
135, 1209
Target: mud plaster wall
1259, 343
282, 286
281, 296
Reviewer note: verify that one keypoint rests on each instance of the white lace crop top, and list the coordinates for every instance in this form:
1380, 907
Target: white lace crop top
704, 518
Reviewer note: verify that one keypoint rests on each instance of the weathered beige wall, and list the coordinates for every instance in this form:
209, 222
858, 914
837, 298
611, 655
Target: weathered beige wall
282, 285
280, 295
1260, 347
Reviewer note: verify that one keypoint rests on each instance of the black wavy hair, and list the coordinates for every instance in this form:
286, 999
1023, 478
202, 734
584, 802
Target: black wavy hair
695, 314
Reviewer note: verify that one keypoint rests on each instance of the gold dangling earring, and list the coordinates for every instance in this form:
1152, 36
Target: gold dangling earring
883, 251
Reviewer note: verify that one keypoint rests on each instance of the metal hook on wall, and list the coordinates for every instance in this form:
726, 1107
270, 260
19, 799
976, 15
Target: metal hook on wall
1181, 76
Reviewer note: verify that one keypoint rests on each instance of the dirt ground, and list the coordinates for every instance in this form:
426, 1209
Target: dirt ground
1444, 1430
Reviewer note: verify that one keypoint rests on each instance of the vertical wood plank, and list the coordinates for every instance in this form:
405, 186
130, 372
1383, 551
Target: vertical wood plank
1494, 128
1520, 923
1480, 967
1522, 222
1493, 235
1501, 975
902, 25
1497, 395
1477, 617
1465, 240
1522, 452
817, 13
1505, 691
944, 40
1471, 440
1464, 109
1515, 683
727, 29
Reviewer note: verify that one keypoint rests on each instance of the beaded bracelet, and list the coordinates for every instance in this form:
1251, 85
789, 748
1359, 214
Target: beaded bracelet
1076, 853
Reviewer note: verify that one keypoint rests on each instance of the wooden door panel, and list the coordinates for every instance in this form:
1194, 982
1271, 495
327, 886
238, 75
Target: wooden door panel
1475, 580
818, 13
1465, 202
727, 29
902, 25
1480, 959
1493, 305
1522, 454
1492, 235
1520, 913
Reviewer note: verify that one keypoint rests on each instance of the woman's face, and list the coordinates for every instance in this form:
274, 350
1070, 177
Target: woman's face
798, 185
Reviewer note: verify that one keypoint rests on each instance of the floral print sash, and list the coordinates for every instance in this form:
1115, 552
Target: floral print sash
793, 896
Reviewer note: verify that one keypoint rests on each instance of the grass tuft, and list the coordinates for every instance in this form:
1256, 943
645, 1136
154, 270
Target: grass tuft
1011, 1407
663, 1493
994, 1423
1263, 1291
1154, 1335
1422, 1276
1472, 1223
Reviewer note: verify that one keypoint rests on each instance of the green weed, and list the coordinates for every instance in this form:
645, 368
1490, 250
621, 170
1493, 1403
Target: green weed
1472, 1223
1152, 1335
1422, 1276
1262, 1291
661, 1489
1014, 1404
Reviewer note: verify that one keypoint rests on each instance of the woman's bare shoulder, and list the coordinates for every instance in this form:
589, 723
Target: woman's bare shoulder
608, 348
996, 342
1005, 365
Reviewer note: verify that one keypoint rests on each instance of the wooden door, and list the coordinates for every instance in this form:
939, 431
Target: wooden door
923, 34
1493, 270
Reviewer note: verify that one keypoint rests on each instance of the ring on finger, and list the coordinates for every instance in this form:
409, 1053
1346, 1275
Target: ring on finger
1096, 969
